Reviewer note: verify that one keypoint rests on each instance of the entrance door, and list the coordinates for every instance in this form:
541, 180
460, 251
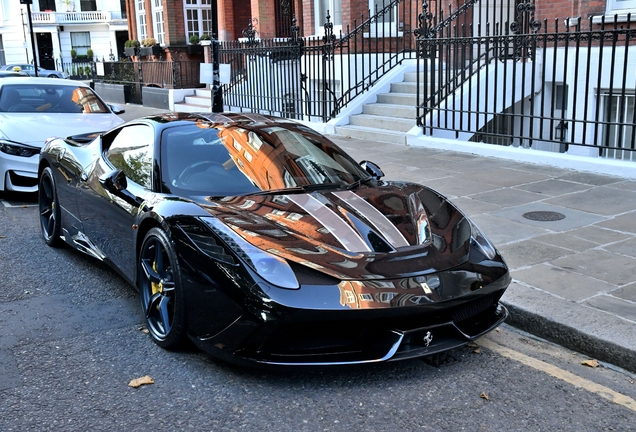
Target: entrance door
45, 51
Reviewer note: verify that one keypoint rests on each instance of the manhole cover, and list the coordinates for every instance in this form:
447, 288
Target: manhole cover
544, 216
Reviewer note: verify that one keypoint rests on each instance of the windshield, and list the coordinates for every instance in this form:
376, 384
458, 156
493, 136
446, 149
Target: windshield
218, 160
46, 98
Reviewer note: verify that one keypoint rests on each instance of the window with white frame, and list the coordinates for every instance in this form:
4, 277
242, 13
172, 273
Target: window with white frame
619, 127
142, 33
387, 21
81, 42
614, 6
157, 13
334, 7
198, 16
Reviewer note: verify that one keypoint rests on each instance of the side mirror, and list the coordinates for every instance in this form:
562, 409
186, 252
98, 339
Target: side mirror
372, 168
114, 182
117, 109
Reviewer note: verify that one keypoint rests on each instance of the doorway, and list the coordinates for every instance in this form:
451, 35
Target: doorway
45, 50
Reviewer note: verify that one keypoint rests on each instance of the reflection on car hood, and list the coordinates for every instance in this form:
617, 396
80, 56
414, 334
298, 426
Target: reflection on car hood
394, 230
35, 128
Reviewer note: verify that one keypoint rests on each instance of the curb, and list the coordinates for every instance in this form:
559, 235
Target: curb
586, 330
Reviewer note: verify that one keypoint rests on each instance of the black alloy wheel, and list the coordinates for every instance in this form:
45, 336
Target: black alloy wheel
162, 298
50, 215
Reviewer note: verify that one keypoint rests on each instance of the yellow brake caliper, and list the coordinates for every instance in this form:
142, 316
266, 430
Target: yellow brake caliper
157, 287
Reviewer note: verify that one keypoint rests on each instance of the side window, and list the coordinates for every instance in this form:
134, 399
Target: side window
131, 152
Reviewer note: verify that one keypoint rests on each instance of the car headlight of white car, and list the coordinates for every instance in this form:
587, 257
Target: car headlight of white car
17, 149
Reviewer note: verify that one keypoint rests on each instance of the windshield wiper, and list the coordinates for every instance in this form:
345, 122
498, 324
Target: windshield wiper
356, 184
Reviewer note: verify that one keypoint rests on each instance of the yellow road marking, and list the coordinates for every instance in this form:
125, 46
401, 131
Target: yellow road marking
591, 386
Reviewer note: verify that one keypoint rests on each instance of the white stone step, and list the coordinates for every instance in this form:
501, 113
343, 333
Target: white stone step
197, 100
407, 87
380, 122
398, 98
390, 110
371, 134
191, 108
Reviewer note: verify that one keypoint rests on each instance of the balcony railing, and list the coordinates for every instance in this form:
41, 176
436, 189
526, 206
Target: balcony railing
77, 17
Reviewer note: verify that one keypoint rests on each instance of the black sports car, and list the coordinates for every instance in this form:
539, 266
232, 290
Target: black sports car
263, 242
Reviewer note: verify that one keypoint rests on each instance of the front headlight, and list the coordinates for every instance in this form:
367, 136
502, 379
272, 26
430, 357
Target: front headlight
481, 242
272, 268
16, 149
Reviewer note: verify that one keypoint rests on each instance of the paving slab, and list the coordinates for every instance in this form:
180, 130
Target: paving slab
600, 236
562, 283
626, 293
507, 197
553, 187
625, 222
566, 241
609, 267
590, 178
503, 231
529, 252
614, 305
627, 247
599, 200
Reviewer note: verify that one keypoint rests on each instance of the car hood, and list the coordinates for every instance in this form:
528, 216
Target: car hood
394, 230
34, 128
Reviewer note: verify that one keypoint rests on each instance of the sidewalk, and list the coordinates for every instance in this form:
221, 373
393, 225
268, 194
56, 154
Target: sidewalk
574, 279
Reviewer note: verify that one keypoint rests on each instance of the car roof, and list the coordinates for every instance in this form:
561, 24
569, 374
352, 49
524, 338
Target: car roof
39, 80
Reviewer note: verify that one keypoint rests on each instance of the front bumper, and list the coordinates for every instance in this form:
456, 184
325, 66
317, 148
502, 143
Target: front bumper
18, 174
314, 336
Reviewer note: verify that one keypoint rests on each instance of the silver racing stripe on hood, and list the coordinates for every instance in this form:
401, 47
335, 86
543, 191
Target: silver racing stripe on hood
346, 235
373, 215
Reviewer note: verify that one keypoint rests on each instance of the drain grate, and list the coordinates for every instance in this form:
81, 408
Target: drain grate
544, 216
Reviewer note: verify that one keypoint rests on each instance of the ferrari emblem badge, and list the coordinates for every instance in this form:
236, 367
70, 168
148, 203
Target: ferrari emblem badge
428, 339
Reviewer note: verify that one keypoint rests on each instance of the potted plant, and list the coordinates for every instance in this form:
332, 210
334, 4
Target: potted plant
205, 39
73, 54
89, 53
149, 47
131, 47
194, 47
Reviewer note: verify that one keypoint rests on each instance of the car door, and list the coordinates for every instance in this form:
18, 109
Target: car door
108, 215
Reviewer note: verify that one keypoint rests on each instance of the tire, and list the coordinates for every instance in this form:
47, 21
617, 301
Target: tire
52, 76
161, 290
50, 215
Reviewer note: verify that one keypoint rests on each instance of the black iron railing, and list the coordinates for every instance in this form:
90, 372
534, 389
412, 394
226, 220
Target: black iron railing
523, 82
316, 77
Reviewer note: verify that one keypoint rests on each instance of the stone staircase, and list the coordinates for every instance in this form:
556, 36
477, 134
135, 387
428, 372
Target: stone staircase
390, 117
201, 101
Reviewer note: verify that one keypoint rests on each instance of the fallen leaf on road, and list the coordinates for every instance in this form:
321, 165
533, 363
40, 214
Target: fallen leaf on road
483, 395
2, 237
144, 330
498, 330
477, 350
138, 382
631, 381
472, 345
591, 363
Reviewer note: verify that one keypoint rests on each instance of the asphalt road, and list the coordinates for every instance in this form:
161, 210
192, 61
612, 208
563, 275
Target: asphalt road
71, 341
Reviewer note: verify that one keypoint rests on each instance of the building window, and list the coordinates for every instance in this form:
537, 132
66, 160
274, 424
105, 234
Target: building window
81, 42
334, 7
365, 297
614, 6
198, 16
47, 5
157, 11
88, 5
3, 60
142, 33
619, 126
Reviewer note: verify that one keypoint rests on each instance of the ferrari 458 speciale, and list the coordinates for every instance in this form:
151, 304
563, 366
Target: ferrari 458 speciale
263, 242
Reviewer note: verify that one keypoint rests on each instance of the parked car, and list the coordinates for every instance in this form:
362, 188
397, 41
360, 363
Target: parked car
34, 109
30, 70
265, 243
12, 74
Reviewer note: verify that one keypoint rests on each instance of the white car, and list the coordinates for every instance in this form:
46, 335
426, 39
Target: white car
35, 109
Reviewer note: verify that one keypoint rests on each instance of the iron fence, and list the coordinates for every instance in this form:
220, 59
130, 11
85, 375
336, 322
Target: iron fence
316, 77
557, 86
